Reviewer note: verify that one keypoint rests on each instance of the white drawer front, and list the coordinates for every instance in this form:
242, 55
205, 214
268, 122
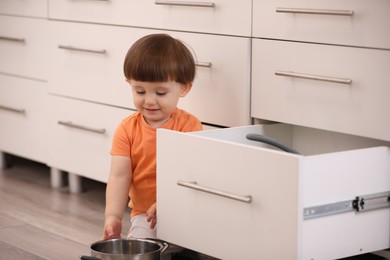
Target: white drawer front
81, 136
23, 112
356, 108
188, 17
23, 46
87, 62
281, 184
221, 93
32, 8
367, 26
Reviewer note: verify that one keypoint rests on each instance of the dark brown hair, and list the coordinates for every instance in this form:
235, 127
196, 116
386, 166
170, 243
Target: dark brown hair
159, 58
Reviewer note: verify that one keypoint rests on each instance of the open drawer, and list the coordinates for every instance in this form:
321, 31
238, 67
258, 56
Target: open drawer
233, 198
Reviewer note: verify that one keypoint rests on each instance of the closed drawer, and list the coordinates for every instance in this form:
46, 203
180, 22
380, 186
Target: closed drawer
358, 107
87, 62
32, 8
23, 111
96, 72
330, 168
213, 17
364, 23
80, 136
23, 46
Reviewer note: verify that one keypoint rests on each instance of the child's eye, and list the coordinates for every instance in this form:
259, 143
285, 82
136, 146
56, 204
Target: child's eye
161, 93
140, 92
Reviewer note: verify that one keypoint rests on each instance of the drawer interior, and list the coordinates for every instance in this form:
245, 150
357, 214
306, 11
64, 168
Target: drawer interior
306, 141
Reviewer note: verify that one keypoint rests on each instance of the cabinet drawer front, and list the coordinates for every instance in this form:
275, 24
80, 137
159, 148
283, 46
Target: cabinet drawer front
355, 29
81, 136
221, 92
23, 114
23, 46
217, 18
204, 215
31, 8
87, 62
356, 108
281, 186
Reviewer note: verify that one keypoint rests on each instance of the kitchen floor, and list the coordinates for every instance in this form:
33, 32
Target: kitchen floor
38, 222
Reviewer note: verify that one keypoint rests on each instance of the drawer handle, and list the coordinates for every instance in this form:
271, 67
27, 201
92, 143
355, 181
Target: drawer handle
94, 130
203, 64
16, 110
70, 48
10, 39
182, 3
314, 11
313, 77
193, 185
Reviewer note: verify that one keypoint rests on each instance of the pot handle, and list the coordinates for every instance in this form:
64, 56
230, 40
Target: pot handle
87, 257
165, 244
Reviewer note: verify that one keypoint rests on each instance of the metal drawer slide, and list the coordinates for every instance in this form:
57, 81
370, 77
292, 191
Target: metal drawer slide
359, 204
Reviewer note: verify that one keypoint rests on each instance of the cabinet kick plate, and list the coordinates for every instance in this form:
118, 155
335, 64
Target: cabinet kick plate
359, 204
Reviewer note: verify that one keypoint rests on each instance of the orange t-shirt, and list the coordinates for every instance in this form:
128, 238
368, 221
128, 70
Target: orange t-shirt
136, 139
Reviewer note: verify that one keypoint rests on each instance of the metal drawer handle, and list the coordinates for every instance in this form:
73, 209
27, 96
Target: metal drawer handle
10, 39
183, 3
71, 48
193, 185
314, 11
313, 77
203, 64
94, 130
16, 110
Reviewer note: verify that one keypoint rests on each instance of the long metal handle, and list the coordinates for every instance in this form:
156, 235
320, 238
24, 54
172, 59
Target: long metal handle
89, 129
11, 39
314, 11
313, 77
203, 64
71, 48
16, 110
183, 3
193, 185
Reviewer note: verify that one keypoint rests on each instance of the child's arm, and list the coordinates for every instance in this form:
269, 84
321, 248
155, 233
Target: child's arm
117, 195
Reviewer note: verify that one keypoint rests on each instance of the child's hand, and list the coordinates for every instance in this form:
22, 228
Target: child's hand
151, 216
112, 228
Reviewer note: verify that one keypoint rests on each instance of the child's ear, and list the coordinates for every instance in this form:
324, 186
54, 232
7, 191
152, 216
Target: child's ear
184, 89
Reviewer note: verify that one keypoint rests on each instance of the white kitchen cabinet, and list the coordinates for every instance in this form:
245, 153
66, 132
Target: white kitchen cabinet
345, 22
23, 46
28, 8
212, 17
284, 190
23, 112
335, 88
80, 136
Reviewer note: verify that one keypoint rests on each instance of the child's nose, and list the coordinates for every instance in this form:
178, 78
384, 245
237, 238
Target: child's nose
150, 99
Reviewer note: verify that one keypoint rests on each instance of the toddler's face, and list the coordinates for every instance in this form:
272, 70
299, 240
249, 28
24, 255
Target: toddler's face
157, 100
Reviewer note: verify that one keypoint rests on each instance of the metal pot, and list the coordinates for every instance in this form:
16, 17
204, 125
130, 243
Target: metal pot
127, 249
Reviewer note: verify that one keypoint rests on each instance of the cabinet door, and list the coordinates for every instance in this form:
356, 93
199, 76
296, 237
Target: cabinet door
198, 16
345, 22
219, 226
81, 135
23, 48
23, 114
345, 89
